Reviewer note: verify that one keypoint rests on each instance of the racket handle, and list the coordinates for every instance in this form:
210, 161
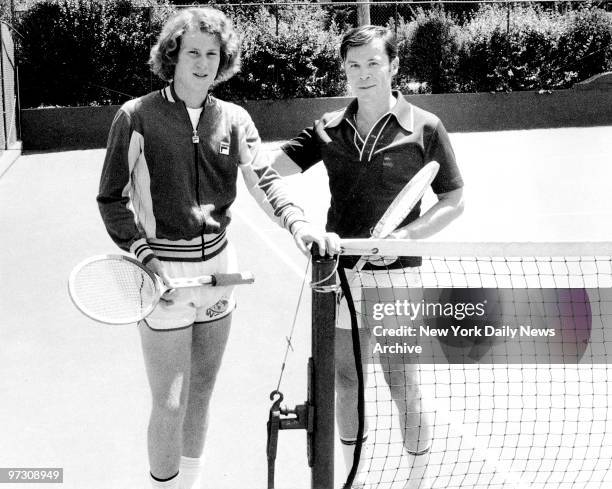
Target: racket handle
233, 278
212, 280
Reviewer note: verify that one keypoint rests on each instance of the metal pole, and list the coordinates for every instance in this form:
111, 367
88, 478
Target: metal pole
322, 378
507, 17
363, 13
5, 135
16, 78
395, 18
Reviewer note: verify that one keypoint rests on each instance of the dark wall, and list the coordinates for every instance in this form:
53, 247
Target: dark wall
87, 127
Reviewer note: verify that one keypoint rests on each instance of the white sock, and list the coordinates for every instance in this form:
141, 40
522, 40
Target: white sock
190, 470
171, 483
348, 453
419, 463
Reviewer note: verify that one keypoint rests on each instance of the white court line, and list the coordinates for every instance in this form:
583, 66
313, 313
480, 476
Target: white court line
501, 468
445, 417
9, 156
281, 254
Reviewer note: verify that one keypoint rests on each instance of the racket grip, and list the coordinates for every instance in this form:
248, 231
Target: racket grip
221, 279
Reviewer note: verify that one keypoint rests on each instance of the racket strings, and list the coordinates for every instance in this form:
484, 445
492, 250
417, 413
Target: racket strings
114, 291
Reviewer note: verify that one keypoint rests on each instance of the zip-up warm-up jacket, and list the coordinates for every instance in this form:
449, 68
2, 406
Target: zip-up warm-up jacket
166, 189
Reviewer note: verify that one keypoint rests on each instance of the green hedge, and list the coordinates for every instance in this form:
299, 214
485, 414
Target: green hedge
428, 51
82, 52
296, 59
542, 50
496, 49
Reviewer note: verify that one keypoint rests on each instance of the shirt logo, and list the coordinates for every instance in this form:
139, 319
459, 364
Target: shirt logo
224, 148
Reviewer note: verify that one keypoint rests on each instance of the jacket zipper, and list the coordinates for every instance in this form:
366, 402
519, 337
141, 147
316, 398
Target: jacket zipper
195, 139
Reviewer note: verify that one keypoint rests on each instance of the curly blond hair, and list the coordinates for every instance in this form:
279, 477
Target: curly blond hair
164, 55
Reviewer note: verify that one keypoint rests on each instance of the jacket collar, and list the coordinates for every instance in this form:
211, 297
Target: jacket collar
171, 96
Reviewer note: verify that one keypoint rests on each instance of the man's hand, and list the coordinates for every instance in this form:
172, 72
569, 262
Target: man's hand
157, 267
406, 232
305, 235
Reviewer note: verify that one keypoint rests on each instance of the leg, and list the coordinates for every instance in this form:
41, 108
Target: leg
414, 418
167, 357
403, 381
403, 378
209, 341
346, 394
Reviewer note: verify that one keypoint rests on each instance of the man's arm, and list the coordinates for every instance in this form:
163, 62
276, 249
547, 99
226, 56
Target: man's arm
441, 214
284, 165
263, 180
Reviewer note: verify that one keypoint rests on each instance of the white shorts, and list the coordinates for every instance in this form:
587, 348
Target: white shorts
399, 279
196, 304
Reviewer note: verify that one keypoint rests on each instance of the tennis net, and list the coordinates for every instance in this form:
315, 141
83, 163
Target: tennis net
486, 366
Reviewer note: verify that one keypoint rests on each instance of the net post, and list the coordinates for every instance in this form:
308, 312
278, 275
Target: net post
322, 376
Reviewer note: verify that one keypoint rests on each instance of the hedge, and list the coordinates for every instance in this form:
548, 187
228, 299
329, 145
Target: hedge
428, 51
298, 60
542, 50
80, 52
88, 52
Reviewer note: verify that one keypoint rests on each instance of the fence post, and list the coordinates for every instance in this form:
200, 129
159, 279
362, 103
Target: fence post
4, 131
150, 9
16, 83
507, 17
395, 18
363, 12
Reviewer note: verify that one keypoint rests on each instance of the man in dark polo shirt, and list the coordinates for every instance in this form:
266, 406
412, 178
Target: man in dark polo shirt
371, 149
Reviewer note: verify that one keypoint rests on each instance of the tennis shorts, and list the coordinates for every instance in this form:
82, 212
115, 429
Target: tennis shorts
396, 282
196, 305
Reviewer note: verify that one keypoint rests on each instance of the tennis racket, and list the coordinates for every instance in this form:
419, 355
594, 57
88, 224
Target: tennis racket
401, 206
116, 289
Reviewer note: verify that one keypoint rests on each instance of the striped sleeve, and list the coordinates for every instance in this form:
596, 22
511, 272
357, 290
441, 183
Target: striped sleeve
114, 191
264, 183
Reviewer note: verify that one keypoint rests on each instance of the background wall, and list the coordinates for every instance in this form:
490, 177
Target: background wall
87, 127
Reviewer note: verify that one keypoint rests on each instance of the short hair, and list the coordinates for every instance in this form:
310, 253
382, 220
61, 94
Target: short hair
164, 55
360, 36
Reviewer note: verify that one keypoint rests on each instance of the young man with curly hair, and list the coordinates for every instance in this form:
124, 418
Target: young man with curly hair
168, 181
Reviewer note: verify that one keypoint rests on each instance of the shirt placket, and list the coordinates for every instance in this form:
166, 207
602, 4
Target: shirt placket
374, 138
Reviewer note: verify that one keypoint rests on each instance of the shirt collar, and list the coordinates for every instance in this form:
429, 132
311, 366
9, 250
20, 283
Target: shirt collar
402, 111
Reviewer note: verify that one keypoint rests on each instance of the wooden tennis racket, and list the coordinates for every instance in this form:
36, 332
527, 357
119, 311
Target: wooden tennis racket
117, 289
401, 206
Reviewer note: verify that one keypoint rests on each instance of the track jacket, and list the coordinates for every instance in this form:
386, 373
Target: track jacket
166, 188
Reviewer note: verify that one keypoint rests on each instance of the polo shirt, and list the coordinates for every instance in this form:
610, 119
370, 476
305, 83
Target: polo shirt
365, 175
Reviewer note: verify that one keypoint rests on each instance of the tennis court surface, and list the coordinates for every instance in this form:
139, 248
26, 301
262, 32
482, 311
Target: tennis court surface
74, 392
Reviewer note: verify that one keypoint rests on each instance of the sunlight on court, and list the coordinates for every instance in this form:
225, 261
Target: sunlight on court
75, 395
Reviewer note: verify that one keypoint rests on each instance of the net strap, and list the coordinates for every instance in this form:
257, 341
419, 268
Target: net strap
360, 381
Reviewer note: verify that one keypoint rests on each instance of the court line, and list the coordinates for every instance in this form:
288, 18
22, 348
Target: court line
9, 157
500, 466
281, 254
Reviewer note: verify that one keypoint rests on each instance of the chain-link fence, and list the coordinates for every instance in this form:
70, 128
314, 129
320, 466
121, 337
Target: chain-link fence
8, 90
